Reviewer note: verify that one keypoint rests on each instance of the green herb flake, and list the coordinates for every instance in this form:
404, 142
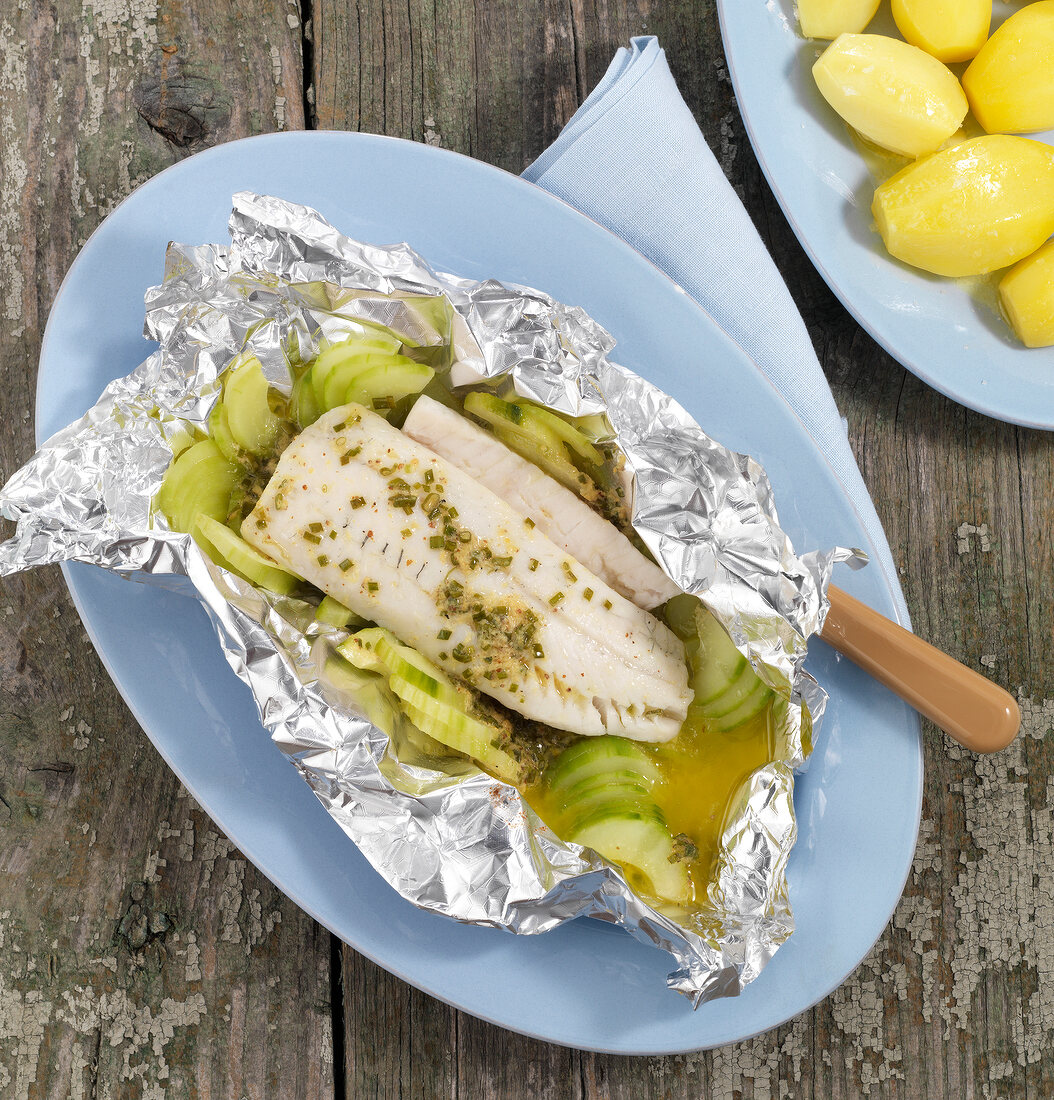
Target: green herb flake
539, 652
333, 533
587, 594
280, 502
463, 653
339, 427
345, 565
406, 532
310, 536
372, 586
323, 559
607, 605
316, 526
503, 562
529, 521
533, 564
429, 476
358, 502
431, 502
567, 572
436, 542
443, 635
452, 512
555, 599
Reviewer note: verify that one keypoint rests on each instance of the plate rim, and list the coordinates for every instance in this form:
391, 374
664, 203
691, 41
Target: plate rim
614, 240
886, 341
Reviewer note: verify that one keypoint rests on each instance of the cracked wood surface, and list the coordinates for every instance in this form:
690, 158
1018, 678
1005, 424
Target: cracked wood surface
140, 955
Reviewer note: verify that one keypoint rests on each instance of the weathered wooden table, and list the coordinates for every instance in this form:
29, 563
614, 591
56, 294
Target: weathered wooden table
140, 954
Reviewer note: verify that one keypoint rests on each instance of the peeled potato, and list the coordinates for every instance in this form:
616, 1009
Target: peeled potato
949, 30
1026, 294
892, 93
1010, 83
970, 209
830, 18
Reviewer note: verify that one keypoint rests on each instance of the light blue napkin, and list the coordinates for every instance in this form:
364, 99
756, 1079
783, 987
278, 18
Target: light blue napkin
633, 159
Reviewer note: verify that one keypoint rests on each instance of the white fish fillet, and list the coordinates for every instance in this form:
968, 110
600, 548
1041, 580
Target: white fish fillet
390, 529
561, 515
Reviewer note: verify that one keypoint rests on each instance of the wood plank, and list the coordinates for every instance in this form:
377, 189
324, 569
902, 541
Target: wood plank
957, 998
140, 954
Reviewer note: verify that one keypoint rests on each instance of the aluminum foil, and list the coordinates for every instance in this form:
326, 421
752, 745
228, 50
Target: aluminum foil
450, 839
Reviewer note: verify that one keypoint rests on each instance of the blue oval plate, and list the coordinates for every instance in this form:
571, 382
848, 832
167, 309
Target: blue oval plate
942, 331
585, 984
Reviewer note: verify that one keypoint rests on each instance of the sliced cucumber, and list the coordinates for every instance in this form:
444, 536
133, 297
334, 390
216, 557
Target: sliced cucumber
396, 378
350, 351
597, 756
199, 481
718, 665
378, 649
584, 800
754, 703
220, 431
640, 841
457, 730
234, 553
252, 423
530, 439
303, 404
333, 613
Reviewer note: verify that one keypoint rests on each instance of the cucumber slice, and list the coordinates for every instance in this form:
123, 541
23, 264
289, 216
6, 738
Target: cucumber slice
252, 423
679, 615
601, 793
333, 613
396, 378
719, 665
748, 708
457, 730
532, 441
303, 404
234, 553
348, 351
640, 841
220, 431
568, 433
199, 481
595, 756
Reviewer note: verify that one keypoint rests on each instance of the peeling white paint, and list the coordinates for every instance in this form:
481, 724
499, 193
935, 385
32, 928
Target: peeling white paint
965, 531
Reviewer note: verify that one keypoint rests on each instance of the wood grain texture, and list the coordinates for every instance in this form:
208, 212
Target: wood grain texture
140, 954
957, 998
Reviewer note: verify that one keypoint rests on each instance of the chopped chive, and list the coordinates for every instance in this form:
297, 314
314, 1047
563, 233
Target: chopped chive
443, 635
462, 653
587, 594
500, 610
443, 655
372, 586
316, 526
503, 562
436, 542
539, 652
431, 502
339, 427
607, 605
452, 512
465, 536
429, 476
514, 687
279, 502
533, 564
311, 537
449, 544
345, 565
555, 599
323, 559
358, 502
406, 532
384, 471
567, 572
333, 533
402, 501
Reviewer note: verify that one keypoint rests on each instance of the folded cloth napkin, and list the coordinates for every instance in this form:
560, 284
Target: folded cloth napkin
633, 159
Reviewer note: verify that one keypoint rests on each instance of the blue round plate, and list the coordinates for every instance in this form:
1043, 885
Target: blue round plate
584, 985
942, 331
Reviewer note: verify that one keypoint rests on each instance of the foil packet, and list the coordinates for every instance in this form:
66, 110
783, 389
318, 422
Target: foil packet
449, 839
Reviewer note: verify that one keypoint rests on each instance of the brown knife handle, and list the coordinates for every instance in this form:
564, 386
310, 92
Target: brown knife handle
969, 708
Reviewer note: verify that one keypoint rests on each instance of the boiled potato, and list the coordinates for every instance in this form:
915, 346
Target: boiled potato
1010, 83
970, 209
830, 18
1026, 294
950, 30
892, 93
